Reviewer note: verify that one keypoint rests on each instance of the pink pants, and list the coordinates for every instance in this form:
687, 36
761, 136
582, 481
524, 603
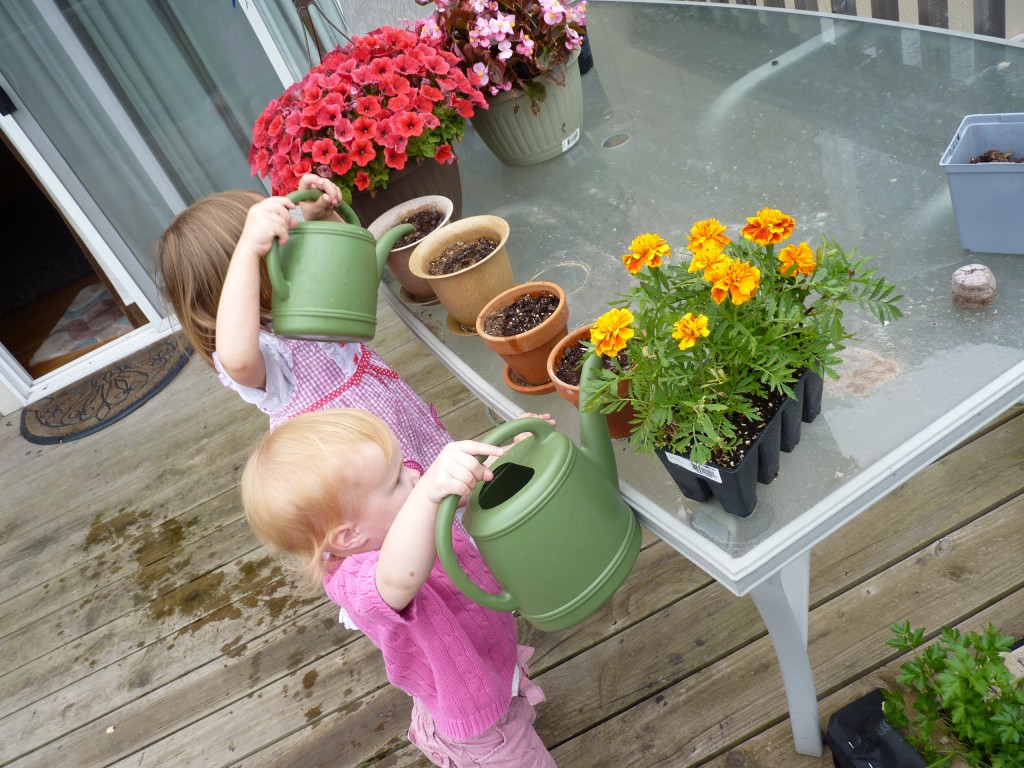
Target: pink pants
511, 742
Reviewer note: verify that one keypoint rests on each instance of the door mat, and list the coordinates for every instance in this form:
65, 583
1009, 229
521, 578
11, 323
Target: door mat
89, 405
93, 317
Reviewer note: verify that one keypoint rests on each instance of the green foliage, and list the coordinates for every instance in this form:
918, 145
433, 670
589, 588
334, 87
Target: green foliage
963, 700
687, 401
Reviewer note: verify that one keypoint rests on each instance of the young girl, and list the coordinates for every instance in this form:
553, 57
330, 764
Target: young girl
331, 488
212, 257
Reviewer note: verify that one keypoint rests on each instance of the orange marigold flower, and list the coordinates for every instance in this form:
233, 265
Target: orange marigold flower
646, 250
705, 234
737, 279
707, 261
689, 329
799, 256
768, 227
611, 332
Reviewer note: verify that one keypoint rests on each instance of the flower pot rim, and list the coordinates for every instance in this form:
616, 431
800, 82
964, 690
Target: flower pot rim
575, 335
506, 297
392, 216
452, 231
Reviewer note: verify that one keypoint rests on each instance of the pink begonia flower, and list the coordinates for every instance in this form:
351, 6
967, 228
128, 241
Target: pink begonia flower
505, 50
525, 46
479, 73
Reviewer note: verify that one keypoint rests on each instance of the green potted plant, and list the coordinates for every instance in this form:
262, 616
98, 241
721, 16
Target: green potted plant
719, 343
523, 55
963, 702
384, 104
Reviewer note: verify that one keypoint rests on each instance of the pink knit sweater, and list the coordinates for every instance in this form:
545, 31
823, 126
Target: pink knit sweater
453, 655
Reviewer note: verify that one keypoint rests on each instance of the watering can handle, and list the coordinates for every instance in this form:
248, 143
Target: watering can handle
446, 518
277, 278
450, 562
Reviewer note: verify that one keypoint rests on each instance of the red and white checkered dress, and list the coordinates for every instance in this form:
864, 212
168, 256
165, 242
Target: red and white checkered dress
307, 376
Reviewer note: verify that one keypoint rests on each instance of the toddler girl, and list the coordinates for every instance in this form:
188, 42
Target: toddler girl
212, 257
331, 488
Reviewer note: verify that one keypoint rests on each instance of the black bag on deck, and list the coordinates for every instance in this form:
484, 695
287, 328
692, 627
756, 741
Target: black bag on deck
860, 737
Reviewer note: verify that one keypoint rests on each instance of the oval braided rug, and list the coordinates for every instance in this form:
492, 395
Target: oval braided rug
110, 394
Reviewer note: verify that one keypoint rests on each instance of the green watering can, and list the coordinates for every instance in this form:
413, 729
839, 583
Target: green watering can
325, 277
550, 525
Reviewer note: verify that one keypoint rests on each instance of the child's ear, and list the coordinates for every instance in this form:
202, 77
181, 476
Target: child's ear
346, 540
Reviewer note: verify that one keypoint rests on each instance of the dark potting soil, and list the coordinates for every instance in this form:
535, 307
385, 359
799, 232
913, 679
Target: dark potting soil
457, 256
748, 430
995, 156
572, 361
521, 315
424, 221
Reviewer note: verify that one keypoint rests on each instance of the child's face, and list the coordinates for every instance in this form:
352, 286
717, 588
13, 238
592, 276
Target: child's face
381, 490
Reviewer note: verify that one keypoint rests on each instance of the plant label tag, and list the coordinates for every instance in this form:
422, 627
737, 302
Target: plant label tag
569, 141
708, 473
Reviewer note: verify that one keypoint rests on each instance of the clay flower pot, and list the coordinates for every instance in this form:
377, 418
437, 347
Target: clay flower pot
618, 422
466, 292
526, 354
415, 289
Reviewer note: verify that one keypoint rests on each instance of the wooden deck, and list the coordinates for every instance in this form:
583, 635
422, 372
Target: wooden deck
141, 625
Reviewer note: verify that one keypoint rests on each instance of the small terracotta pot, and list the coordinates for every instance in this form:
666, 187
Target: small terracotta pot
526, 353
466, 292
418, 289
618, 422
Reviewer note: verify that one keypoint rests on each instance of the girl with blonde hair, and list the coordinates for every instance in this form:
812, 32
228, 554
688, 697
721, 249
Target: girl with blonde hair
332, 489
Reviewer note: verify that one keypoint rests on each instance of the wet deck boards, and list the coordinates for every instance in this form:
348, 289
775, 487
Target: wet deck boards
142, 625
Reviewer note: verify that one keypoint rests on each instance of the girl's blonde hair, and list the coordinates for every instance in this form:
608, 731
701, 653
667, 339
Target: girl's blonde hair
291, 483
193, 255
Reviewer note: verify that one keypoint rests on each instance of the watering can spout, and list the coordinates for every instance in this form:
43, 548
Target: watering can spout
595, 442
387, 242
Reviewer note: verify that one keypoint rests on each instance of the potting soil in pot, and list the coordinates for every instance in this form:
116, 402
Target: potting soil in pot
424, 221
521, 315
462, 254
572, 359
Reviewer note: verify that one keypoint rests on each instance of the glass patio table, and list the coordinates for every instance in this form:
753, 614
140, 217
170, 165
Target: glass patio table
693, 111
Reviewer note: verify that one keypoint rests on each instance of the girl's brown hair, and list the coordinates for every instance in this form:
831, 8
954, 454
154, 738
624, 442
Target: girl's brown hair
193, 255
291, 484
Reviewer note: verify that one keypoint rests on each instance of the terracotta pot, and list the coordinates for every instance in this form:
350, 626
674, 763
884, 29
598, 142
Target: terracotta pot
618, 422
418, 289
427, 177
466, 292
526, 354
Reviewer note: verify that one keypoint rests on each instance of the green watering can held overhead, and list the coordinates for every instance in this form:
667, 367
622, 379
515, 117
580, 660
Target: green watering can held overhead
550, 525
325, 277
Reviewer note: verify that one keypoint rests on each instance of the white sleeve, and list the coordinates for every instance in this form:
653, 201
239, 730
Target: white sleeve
277, 359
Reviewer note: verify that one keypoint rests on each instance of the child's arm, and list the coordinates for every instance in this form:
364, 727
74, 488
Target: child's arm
238, 311
409, 550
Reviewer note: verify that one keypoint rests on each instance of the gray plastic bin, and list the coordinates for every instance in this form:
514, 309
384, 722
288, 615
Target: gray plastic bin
988, 198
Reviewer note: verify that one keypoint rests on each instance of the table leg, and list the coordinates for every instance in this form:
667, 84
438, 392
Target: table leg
782, 601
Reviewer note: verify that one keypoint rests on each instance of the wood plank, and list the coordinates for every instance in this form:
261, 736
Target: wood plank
937, 587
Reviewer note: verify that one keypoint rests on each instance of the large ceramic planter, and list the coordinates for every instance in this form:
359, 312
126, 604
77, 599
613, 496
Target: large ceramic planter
426, 177
619, 425
466, 292
414, 289
736, 488
526, 354
517, 136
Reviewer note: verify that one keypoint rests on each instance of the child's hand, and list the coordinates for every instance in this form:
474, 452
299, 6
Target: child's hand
457, 470
266, 221
527, 415
324, 206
